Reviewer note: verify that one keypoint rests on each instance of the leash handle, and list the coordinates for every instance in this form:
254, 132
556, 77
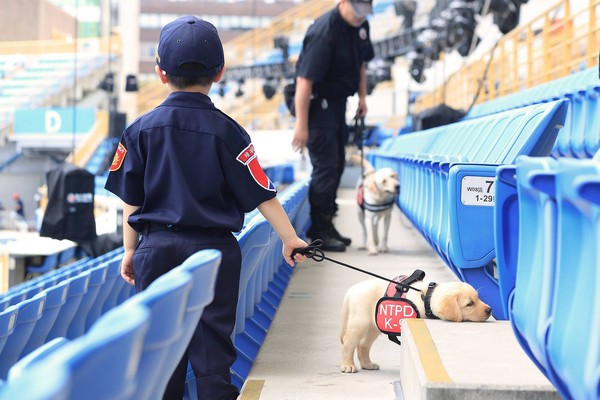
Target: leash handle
313, 250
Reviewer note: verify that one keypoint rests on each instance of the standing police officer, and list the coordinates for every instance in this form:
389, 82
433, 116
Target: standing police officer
187, 173
331, 67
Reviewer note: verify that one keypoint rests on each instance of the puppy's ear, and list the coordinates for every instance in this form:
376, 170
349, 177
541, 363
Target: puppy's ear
449, 309
371, 185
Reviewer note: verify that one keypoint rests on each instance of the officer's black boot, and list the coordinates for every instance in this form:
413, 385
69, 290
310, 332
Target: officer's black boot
346, 240
322, 228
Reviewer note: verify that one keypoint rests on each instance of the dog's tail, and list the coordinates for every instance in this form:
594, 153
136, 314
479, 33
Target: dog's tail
344, 321
356, 159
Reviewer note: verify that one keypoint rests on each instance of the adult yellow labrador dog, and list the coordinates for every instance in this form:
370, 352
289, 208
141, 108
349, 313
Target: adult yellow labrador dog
450, 301
376, 194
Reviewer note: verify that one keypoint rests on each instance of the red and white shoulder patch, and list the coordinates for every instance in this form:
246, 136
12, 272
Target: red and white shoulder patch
118, 158
248, 158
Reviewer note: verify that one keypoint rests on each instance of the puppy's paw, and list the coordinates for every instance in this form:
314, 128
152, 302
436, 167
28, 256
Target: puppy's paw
372, 251
371, 366
351, 368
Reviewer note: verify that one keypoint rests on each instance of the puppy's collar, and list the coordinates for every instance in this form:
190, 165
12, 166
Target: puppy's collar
427, 300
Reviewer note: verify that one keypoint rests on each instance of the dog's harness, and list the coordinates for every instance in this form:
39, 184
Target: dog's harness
393, 307
360, 198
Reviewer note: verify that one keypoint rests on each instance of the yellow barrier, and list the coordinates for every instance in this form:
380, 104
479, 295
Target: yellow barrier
85, 150
102, 45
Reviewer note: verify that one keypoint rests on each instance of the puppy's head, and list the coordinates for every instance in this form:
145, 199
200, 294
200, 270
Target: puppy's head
458, 301
386, 180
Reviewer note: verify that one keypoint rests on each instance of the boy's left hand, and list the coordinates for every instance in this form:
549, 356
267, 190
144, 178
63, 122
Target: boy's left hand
127, 268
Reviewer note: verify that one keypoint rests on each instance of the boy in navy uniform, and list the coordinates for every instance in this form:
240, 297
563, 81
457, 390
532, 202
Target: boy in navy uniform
187, 173
330, 68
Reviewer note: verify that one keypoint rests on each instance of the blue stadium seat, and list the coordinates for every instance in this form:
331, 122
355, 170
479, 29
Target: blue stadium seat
254, 241
39, 384
280, 174
29, 291
10, 299
102, 364
166, 299
112, 298
65, 256
29, 312
592, 123
301, 219
27, 361
580, 136
125, 292
506, 226
50, 262
105, 362
15, 298
55, 299
78, 286
113, 273
257, 304
436, 169
77, 326
8, 318
572, 341
530, 306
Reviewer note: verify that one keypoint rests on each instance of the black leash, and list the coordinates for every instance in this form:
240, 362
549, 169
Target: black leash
359, 129
313, 250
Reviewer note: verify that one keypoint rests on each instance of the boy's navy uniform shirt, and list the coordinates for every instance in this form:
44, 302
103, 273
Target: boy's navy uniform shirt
188, 164
332, 54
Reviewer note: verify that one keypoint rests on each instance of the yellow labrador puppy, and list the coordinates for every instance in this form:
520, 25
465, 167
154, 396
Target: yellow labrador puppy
376, 194
451, 301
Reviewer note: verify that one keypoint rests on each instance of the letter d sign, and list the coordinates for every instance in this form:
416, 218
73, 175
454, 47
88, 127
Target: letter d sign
53, 121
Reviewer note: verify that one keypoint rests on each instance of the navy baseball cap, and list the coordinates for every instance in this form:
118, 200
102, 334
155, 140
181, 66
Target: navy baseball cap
190, 40
362, 8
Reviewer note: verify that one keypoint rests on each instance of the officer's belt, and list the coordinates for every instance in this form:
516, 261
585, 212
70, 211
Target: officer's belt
318, 96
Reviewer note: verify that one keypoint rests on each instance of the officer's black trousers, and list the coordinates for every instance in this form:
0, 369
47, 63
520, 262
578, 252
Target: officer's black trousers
327, 134
211, 351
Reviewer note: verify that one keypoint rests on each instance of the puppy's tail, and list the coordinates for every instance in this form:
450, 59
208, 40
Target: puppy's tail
356, 159
344, 321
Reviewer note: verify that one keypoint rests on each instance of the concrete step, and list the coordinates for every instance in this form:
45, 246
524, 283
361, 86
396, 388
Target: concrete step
442, 360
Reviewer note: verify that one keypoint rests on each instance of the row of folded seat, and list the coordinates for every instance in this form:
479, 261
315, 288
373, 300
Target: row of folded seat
65, 304
580, 137
447, 183
131, 350
547, 239
264, 278
510, 199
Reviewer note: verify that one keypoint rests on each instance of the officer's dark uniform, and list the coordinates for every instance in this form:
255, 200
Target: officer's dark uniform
332, 55
193, 172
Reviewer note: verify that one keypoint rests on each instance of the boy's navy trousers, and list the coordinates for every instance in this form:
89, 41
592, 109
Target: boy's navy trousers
211, 351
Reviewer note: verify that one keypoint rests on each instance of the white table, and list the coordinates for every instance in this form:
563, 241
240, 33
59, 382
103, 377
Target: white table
25, 246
